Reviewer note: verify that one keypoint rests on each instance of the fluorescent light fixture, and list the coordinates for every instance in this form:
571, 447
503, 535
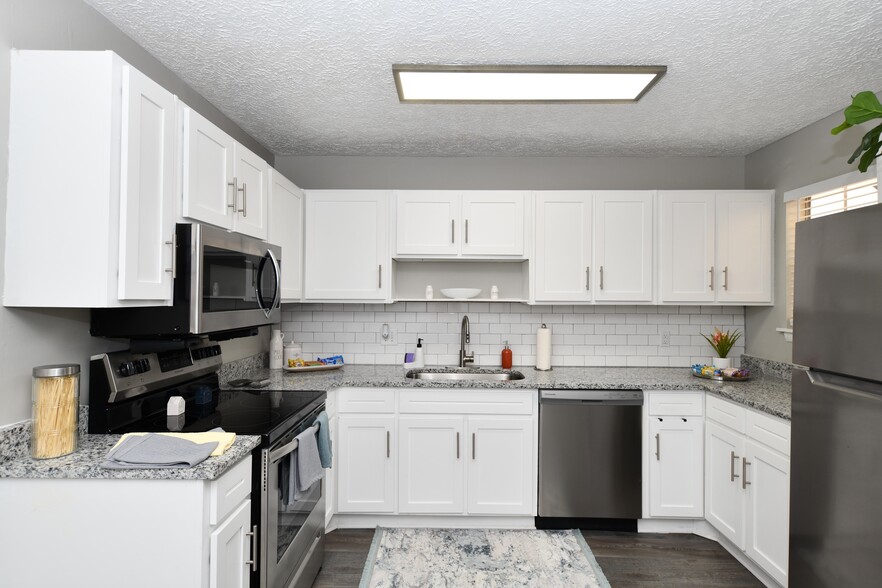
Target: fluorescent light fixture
513, 84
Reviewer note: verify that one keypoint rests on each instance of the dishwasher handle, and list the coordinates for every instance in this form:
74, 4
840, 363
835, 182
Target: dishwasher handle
592, 397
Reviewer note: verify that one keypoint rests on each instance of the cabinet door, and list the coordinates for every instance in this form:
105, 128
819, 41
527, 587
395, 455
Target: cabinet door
285, 228
250, 173
147, 189
345, 253
686, 239
563, 246
208, 171
500, 466
365, 468
768, 508
430, 458
427, 222
493, 222
676, 466
230, 548
744, 247
623, 246
724, 497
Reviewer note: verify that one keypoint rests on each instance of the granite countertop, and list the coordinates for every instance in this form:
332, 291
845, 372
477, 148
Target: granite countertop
764, 393
85, 463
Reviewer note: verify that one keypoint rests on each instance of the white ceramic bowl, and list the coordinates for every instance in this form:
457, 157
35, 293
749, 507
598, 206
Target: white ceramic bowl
460, 292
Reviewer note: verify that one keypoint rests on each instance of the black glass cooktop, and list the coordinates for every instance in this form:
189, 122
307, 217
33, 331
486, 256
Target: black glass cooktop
247, 412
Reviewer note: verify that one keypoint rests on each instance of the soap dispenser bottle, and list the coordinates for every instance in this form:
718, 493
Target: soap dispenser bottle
418, 360
506, 357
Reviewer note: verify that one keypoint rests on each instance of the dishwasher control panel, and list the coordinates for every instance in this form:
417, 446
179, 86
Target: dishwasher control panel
596, 396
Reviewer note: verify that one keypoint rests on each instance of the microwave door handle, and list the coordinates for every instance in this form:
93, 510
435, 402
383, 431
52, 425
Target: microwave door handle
277, 295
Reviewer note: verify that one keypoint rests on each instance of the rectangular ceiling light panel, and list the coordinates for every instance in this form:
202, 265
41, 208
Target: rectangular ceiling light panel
519, 84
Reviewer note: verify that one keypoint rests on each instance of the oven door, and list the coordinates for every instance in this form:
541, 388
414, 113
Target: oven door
235, 281
293, 528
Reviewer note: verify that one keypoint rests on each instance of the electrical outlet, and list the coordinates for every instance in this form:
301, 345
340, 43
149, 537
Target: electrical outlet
387, 335
665, 338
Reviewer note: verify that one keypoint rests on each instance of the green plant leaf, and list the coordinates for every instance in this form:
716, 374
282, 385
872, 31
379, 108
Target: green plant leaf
870, 155
840, 128
864, 106
870, 143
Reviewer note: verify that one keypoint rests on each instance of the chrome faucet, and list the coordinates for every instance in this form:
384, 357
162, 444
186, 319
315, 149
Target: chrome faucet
464, 337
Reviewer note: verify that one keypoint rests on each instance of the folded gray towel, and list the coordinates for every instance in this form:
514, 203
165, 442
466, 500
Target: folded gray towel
157, 451
309, 464
324, 439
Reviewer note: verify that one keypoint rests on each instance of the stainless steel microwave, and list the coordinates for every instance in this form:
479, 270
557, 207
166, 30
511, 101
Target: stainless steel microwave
223, 283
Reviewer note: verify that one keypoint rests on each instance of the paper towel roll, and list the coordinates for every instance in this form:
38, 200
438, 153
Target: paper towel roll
543, 348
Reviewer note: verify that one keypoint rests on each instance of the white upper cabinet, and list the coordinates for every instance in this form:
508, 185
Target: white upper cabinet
426, 222
493, 223
744, 247
285, 228
346, 245
444, 224
686, 246
623, 240
224, 183
563, 246
715, 246
103, 216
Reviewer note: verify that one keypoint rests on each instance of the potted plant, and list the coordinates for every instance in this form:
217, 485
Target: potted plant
722, 344
865, 106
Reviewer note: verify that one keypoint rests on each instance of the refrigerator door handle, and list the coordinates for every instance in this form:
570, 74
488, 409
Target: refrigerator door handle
823, 381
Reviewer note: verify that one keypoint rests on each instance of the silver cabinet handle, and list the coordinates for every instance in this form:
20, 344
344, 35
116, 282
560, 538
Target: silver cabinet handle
588, 278
452, 230
732, 459
457, 445
473, 446
467, 232
726, 278
711, 272
744, 482
253, 561
601, 277
657, 447
234, 184
380, 277
245, 200
174, 255
388, 444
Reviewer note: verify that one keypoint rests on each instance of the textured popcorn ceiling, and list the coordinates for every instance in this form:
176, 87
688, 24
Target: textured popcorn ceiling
314, 76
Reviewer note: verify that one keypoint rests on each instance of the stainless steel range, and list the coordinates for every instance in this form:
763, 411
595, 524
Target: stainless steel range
129, 392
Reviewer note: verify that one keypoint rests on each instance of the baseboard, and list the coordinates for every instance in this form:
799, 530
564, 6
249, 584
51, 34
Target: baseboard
357, 521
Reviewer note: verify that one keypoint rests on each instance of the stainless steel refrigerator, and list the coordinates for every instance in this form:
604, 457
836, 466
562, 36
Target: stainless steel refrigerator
836, 454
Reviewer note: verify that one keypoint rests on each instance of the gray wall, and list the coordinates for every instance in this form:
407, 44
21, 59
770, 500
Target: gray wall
807, 156
522, 173
34, 337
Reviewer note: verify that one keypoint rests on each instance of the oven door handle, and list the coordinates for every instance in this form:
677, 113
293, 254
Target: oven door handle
277, 454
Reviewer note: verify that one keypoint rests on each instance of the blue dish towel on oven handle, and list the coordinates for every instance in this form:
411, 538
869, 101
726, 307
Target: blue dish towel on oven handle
324, 440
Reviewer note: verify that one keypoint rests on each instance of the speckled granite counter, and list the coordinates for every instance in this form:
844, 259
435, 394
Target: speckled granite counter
85, 463
767, 394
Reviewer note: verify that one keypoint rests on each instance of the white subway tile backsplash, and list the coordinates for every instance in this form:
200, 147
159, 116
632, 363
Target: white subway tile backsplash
582, 335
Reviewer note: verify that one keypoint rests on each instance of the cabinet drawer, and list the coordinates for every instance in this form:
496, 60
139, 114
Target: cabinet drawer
459, 401
675, 403
365, 400
726, 413
769, 431
229, 490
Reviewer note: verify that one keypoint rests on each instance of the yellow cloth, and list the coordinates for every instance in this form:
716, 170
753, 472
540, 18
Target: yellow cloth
224, 440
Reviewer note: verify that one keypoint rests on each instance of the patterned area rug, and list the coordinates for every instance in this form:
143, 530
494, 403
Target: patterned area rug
480, 558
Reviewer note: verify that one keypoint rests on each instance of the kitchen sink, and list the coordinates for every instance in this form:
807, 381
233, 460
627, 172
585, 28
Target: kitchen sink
472, 374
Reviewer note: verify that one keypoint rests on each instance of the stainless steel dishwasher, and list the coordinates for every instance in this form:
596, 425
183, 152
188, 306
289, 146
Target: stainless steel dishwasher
590, 453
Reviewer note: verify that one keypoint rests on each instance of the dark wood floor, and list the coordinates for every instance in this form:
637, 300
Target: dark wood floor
627, 559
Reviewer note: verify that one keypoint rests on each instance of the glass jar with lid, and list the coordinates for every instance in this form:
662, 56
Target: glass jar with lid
55, 410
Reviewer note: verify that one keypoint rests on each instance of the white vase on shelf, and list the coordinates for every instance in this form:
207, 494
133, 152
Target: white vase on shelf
722, 362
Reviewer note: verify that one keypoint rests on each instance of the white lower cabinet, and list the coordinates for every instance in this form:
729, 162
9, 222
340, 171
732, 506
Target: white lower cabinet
430, 464
676, 485
365, 465
447, 452
77, 532
748, 483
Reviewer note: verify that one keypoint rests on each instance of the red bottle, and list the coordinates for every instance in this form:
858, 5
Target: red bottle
506, 357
